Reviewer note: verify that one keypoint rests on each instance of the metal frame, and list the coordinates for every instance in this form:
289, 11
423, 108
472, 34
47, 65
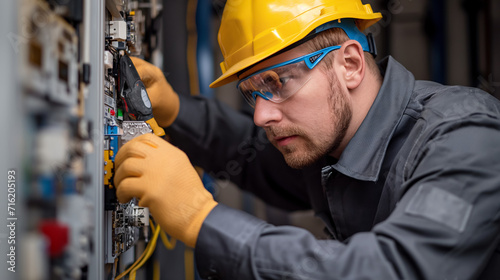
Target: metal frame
93, 52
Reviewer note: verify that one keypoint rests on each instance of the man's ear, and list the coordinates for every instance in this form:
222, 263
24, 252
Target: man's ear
352, 58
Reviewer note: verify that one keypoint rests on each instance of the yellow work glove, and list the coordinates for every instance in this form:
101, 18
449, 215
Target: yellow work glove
164, 99
162, 178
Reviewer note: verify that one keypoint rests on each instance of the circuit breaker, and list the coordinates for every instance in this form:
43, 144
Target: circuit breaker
68, 117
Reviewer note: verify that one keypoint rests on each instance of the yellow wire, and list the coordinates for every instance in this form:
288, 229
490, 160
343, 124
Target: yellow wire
191, 47
169, 244
130, 268
148, 247
114, 266
156, 270
189, 264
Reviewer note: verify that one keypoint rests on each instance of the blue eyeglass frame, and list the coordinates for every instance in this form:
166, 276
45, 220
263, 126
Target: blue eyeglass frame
312, 59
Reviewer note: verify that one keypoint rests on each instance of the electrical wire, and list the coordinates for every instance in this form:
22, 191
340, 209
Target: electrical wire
189, 263
130, 268
156, 270
115, 264
169, 244
192, 39
149, 250
145, 254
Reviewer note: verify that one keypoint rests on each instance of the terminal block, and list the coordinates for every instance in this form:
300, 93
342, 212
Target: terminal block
127, 220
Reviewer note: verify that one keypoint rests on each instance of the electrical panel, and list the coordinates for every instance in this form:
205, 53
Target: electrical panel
72, 118
124, 222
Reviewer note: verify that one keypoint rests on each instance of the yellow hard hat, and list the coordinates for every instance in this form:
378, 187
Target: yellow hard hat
252, 30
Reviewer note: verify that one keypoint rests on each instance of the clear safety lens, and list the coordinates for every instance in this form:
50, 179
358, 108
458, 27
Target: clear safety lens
276, 84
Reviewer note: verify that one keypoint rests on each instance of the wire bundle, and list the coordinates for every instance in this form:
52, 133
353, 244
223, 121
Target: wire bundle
169, 244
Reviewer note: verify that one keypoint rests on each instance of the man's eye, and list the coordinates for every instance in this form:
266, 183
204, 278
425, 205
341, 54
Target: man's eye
284, 80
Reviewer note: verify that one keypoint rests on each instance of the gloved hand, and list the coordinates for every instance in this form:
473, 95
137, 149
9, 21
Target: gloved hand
164, 99
162, 178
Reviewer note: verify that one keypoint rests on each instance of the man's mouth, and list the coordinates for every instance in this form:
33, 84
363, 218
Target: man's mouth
284, 140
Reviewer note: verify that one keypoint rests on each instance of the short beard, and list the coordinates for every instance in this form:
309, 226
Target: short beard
339, 103
341, 115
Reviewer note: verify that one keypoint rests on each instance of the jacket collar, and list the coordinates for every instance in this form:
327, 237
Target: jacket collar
362, 158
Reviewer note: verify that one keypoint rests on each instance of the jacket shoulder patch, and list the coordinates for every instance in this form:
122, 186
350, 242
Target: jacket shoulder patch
440, 206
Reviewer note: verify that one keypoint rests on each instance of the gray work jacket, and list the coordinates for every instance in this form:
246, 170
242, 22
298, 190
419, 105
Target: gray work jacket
415, 194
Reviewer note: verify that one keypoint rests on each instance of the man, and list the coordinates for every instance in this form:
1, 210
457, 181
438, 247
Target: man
405, 174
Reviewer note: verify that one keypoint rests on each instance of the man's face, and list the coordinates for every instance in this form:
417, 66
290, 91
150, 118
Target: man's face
310, 124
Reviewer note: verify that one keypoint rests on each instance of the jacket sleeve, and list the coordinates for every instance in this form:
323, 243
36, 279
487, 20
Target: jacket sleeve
445, 226
229, 147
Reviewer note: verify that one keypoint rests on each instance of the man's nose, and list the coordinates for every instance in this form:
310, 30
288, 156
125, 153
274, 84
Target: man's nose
266, 112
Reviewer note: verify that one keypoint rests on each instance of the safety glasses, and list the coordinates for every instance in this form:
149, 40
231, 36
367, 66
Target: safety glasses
279, 82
